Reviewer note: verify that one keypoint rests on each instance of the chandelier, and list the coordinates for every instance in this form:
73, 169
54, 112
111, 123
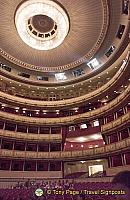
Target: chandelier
42, 24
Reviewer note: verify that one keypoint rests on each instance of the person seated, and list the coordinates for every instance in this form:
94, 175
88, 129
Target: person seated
122, 182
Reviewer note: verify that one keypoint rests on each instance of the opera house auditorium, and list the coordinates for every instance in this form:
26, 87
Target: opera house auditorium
64, 99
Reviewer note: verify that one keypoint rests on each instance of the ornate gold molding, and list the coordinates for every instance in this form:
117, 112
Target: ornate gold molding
106, 128
68, 102
31, 137
68, 155
70, 119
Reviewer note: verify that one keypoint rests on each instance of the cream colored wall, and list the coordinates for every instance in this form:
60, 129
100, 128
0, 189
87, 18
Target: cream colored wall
83, 167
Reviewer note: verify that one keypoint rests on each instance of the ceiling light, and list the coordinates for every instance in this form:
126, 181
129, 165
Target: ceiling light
81, 139
96, 146
82, 162
60, 76
2, 106
82, 145
96, 136
57, 112
44, 112
83, 126
76, 109
71, 145
96, 123
48, 8
93, 64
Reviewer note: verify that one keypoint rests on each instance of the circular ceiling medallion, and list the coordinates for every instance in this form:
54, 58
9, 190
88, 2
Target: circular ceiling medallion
42, 24
36, 38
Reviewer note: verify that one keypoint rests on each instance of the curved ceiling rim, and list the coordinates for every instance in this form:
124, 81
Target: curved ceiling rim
105, 4
106, 65
59, 84
63, 105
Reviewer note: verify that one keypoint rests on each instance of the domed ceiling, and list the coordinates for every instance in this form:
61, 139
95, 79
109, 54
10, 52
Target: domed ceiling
88, 23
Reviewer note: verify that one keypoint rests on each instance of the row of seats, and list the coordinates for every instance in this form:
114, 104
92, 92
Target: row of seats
27, 191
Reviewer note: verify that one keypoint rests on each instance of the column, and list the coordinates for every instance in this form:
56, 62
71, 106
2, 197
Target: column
49, 147
36, 165
4, 126
129, 131
27, 129
48, 165
124, 110
23, 164
118, 136
115, 115
49, 130
110, 163
1, 143
124, 159
10, 165
38, 130
16, 128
